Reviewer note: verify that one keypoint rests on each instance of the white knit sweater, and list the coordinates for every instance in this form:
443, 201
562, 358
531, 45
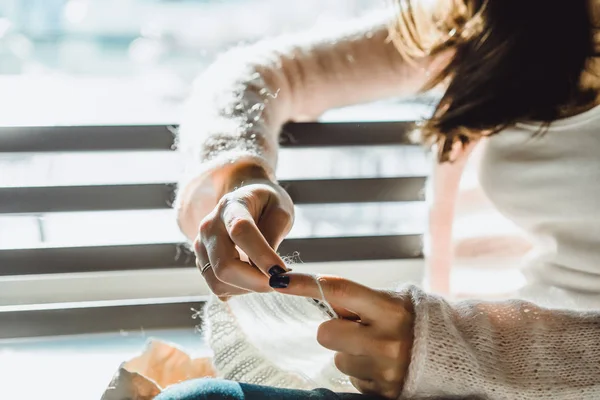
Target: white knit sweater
507, 350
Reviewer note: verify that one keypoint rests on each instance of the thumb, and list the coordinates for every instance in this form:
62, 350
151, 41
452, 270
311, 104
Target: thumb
341, 293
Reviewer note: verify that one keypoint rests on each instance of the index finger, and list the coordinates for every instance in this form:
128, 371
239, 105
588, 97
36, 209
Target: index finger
367, 303
243, 231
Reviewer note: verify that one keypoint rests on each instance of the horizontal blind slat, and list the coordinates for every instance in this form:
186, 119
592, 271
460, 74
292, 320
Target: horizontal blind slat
339, 134
32, 322
161, 137
165, 255
85, 138
22, 200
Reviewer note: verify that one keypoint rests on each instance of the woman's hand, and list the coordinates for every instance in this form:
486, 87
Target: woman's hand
239, 238
373, 337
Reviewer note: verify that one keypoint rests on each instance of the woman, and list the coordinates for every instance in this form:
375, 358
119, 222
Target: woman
519, 77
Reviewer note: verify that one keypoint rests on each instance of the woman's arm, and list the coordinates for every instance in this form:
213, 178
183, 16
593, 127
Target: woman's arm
443, 191
232, 121
504, 350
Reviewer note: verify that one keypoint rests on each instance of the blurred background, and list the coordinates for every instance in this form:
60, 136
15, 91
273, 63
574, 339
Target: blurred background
90, 61
111, 62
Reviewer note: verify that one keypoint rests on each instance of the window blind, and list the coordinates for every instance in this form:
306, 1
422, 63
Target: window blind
365, 218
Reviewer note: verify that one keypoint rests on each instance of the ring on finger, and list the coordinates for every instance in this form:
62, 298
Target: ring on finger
205, 268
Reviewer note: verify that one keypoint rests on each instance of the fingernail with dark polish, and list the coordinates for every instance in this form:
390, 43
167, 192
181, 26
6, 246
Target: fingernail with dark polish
276, 270
279, 281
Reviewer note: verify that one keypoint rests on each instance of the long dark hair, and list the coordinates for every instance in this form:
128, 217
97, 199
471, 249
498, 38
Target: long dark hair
513, 61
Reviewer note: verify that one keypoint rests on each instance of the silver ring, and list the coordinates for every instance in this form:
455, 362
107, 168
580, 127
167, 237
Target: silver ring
205, 267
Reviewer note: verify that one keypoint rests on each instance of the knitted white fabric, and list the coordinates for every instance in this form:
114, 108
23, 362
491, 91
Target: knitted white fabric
505, 350
270, 339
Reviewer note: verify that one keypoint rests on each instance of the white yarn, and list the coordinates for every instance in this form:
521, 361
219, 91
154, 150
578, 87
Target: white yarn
276, 333
323, 304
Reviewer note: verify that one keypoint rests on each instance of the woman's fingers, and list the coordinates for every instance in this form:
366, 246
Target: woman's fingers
244, 233
234, 229
374, 388
344, 336
228, 268
274, 225
357, 339
200, 253
221, 289
370, 305
359, 367
374, 376
225, 261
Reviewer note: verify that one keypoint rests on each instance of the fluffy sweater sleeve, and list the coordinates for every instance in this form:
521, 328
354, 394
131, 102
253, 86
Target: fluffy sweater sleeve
239, 104
503, 350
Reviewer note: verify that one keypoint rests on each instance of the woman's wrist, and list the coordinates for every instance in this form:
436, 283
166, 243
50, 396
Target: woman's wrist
233, 176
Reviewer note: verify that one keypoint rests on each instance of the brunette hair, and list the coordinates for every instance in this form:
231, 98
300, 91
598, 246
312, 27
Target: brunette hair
513, 61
